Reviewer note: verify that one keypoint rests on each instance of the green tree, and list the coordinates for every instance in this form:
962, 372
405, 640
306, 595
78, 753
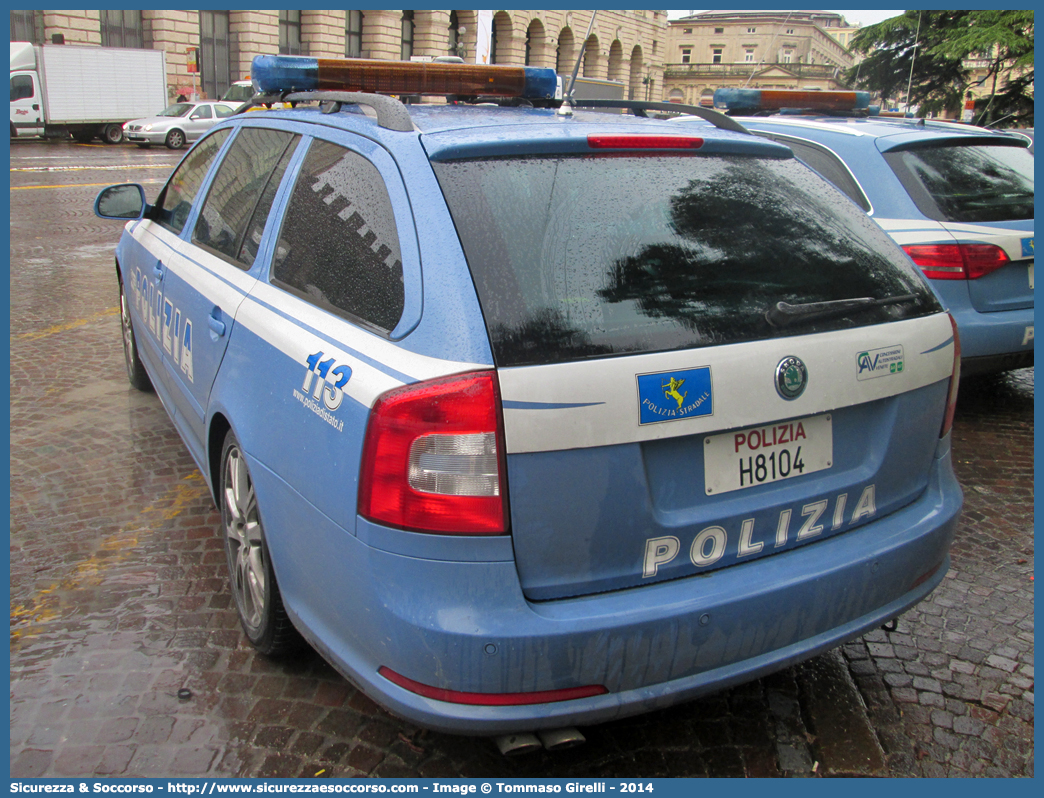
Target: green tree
939, 45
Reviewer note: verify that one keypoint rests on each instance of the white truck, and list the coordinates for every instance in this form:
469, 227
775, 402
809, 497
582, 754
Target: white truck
59, 90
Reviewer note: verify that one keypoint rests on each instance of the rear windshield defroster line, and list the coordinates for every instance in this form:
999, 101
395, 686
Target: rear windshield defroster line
579, 257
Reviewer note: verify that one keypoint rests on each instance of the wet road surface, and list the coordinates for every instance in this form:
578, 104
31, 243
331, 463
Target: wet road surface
119, 597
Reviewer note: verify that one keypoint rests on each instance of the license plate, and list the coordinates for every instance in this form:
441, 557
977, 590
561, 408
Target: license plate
769, 453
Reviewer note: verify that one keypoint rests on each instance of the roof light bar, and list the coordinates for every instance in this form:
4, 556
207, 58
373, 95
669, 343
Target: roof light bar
749, 100
272, 74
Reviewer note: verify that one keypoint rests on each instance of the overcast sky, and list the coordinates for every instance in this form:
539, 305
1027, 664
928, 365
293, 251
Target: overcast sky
853, 17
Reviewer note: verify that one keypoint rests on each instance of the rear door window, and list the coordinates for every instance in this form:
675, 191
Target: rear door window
967, 182
579, 257
339, 245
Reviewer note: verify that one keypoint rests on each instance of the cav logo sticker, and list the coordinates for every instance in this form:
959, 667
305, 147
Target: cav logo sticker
879, 362
1027, 247
672, 395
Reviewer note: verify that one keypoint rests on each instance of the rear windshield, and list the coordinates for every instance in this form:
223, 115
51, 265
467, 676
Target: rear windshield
587, 256
967, 183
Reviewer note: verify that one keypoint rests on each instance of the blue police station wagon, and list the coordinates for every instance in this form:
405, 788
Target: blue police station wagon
529, 417
957, 198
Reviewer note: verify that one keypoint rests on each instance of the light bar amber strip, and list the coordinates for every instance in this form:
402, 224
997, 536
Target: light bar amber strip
832, 100
420, 77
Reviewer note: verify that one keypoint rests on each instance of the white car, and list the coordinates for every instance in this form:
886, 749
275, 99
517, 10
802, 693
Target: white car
178, 124
239, 92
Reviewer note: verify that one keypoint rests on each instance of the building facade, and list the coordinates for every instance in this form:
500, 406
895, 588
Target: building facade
207, 50
756, 49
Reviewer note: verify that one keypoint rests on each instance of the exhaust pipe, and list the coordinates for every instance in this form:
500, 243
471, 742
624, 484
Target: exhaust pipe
517, 744
561, 739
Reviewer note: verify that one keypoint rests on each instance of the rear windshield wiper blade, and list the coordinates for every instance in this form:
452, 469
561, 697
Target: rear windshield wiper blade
783, 314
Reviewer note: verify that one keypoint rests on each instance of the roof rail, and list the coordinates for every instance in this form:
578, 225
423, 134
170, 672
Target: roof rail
639, 107
391, 114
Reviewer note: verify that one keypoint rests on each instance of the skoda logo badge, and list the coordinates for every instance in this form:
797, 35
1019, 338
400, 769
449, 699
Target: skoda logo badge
791, 377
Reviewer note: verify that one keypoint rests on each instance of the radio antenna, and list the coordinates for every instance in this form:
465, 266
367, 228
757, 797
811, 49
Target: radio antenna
566, 108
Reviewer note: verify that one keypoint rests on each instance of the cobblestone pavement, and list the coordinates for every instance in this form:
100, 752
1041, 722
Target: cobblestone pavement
950, 691
119, 602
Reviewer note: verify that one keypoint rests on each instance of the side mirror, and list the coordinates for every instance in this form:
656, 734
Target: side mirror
126, 201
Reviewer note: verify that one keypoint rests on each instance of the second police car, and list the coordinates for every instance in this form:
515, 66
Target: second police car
957, 198
534, 417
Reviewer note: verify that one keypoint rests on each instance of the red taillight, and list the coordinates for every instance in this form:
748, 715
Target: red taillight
981, 259
957, 261
491, 699
955, 378
433, 458
623, 142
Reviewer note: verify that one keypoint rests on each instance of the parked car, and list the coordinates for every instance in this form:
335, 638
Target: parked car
959, 199
238, 92
178, 124
530, 417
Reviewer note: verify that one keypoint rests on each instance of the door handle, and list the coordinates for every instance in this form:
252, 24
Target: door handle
36, 106
217, 327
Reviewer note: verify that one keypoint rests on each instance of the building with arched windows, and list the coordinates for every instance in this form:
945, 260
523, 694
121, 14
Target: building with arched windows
208, 50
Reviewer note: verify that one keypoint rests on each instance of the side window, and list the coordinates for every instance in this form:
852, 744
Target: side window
339, 246
21, 87
223, 111
203, 112
240, 182
176, 201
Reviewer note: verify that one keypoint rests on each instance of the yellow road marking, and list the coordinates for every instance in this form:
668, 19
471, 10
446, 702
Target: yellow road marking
45, 605
106, 167
75, 185
70, 325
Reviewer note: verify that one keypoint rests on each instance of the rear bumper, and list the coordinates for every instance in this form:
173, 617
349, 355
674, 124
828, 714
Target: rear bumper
995, 341
466, 626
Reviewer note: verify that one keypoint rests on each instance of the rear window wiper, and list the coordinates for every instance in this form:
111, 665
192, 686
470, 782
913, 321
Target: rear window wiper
783, 314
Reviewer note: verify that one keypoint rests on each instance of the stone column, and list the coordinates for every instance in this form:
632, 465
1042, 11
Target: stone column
431, 33
175, 32
382, 35
253, 33
78, 27
322, 33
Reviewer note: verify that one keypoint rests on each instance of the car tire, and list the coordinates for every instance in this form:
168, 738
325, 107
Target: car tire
112, 134
139, 378
144, 146
175, 140
251, 577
